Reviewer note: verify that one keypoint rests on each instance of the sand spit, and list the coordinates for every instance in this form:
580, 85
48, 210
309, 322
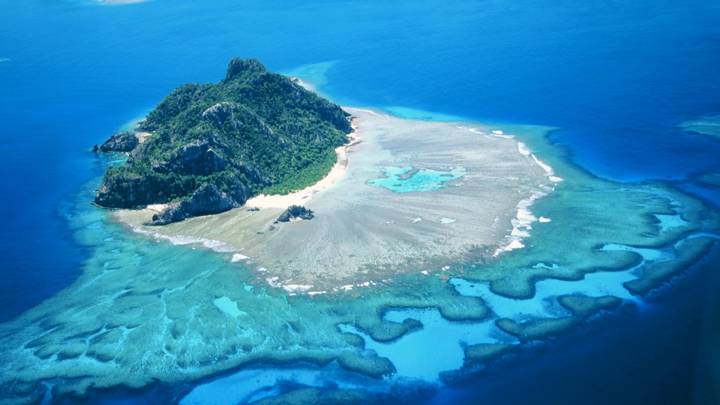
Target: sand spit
362, 233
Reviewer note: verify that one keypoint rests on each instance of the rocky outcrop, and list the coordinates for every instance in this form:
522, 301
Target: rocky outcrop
130, 190
197, 158
120, 142
295, 212
221, 113
237, 68
207, 199
123, 190
215, 145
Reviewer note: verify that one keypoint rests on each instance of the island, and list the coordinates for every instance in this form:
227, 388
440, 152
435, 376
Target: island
473, 240
316, 198
207, 148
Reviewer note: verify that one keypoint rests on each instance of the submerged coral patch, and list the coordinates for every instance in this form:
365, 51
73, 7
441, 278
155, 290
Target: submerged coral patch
408, 179
145, 311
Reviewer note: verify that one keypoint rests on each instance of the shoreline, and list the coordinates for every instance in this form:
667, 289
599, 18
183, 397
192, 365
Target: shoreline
521, 223
123, 277
351, 172
336, 173
524, 218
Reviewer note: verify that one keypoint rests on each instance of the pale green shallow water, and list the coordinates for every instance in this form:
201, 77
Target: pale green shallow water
408, 179
146, 311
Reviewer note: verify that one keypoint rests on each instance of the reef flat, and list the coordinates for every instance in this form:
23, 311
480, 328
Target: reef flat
147, 312
415, 196
706, 125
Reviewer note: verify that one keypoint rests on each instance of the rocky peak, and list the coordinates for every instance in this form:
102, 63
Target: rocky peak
238, 68
219, 113
121, 142
197, 158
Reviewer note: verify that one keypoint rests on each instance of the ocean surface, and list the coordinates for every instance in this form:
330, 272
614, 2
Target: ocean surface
614, 77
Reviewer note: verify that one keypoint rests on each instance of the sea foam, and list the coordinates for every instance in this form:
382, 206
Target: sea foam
524, 218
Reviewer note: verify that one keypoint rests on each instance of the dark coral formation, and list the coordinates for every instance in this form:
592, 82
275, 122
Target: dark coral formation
121, 142
206, 200
296, 212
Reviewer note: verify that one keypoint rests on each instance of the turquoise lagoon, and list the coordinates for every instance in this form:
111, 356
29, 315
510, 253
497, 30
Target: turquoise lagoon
146, 311
408, 179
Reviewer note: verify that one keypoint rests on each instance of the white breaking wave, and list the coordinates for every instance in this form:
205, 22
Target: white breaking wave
524, 218
237, 257
522, 149
297, 287
521, 224
180, 240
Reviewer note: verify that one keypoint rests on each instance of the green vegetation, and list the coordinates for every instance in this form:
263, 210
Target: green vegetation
254, 131
311, 174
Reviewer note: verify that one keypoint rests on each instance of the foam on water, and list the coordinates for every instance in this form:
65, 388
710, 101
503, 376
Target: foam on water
521, 224
524, 218
238, 257
181, 240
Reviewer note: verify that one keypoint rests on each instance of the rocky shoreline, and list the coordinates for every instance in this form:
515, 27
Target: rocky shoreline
209, 148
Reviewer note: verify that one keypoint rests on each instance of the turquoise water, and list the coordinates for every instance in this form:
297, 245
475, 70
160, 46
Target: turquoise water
616, 78
72, 72
407, 179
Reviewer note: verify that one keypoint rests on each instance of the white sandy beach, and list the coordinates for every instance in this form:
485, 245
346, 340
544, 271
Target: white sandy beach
336, 173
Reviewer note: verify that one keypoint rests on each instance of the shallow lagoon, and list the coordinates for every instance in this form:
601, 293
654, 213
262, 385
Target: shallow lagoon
408, 179
191, 317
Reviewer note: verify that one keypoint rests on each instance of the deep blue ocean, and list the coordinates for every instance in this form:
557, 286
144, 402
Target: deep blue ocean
615, 77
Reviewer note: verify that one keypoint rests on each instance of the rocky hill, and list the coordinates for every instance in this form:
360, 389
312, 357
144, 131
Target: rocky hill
212, 146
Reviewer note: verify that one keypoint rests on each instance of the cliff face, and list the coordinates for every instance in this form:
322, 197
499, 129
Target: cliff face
253, 131
120, 142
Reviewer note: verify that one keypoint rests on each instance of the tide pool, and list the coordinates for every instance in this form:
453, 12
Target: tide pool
408, 179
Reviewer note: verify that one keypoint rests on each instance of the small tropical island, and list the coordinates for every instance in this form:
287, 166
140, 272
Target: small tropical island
208, 148
314, 197
341, 256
